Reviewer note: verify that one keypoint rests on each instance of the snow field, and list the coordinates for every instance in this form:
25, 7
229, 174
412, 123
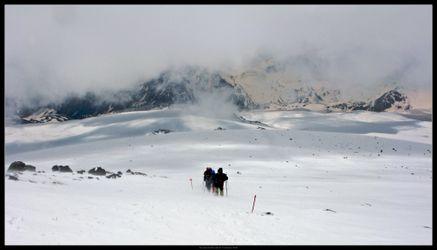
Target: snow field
327, 185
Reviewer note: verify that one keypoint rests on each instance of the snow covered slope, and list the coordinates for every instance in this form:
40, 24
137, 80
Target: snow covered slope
336, 178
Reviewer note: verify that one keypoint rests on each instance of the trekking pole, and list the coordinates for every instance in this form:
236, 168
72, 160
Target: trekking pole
226, 188
253, 204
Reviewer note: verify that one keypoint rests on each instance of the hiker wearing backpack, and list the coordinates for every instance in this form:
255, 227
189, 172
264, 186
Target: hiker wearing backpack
208, 177
219, 180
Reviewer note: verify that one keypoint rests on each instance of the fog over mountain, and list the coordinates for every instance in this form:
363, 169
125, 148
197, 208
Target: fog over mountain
53, 51
117, 117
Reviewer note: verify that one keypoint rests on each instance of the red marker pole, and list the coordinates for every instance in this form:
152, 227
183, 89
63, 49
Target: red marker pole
253, 204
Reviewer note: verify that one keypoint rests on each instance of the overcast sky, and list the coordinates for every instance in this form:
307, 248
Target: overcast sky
51, 50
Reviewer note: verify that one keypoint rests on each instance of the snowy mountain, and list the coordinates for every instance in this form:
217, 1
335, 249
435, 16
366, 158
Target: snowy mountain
268, 83
186, 86
323, 100
169, 88
297, 83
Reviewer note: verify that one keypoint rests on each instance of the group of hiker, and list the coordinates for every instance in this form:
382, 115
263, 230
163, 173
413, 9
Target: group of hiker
214, 182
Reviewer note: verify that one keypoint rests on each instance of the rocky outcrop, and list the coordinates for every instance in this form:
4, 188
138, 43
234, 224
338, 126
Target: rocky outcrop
19, 166
349, 106
61, 168
114, 175
135, 173
97, 171
241, 118
13, 177
44, 115
392, 99
161, 131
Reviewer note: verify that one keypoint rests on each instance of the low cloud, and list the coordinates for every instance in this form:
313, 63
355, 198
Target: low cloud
52, 51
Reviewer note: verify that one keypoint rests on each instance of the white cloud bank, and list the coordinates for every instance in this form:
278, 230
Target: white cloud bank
52, 50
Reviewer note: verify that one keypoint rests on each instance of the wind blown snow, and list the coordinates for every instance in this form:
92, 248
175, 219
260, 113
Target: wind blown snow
336, 178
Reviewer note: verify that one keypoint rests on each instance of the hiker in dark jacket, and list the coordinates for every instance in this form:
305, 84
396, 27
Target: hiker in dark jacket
219, 180
208, 176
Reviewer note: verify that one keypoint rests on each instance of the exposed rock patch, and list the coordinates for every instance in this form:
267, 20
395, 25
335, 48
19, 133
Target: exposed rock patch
19, 166
161, 131
135, 173
113, 176
97, 171
61, 168
13, 177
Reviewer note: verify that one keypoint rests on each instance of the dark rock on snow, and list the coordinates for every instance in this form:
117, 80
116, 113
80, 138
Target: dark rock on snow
389, 99
97, 171
161, 131
29, 168
113, 176
17, 166
135, 173
65, 169
21, 166
330, 210
61, 168
13, 177
43, 115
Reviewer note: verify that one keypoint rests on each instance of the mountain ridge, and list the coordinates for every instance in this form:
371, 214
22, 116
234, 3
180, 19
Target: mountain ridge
191, 84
